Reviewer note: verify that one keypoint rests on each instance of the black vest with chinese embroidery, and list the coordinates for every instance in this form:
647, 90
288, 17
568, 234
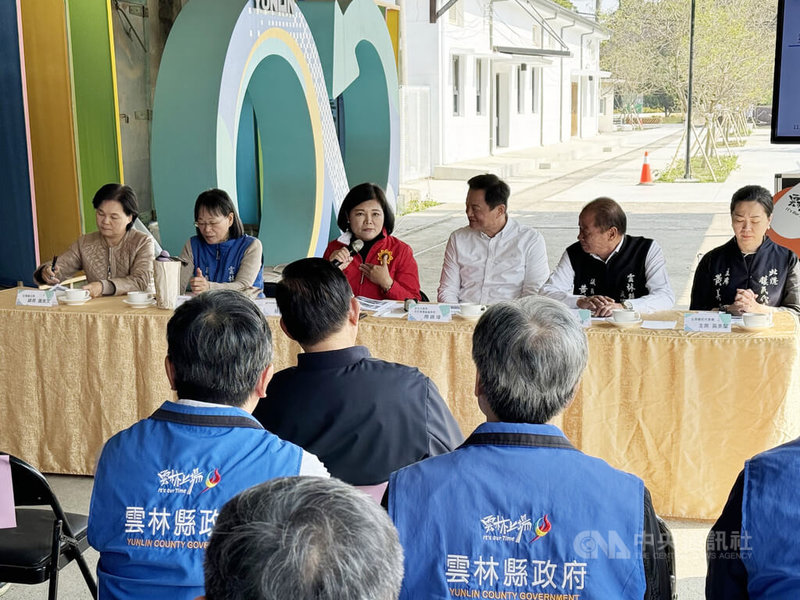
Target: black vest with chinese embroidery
725, 269
622, 277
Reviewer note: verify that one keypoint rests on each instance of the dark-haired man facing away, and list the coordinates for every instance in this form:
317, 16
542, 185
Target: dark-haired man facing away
362, 416
160, 483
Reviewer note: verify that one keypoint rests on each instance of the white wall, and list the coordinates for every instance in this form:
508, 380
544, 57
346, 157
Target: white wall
464, 32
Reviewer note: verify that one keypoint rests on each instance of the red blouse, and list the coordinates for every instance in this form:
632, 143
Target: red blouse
402, 269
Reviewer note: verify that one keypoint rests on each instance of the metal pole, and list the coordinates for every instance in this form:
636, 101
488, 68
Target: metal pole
688, 171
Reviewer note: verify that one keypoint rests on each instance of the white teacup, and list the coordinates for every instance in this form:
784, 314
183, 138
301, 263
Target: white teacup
756, 319
625, 315
139, 297
76, 294
469, 309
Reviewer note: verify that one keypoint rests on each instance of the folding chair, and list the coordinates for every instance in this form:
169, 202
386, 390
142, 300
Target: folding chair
45, 540
667, 545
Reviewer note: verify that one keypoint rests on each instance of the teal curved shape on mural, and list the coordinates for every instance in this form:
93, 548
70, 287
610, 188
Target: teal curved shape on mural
287, 220
221, 51
183, 148
196, 63
248, 188
368, 138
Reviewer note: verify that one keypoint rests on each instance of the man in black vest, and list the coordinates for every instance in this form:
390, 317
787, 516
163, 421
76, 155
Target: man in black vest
607, 269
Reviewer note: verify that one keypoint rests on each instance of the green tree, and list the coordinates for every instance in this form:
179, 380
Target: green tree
733, 57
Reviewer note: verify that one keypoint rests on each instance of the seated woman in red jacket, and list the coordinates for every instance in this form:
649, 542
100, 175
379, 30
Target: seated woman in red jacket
384, 268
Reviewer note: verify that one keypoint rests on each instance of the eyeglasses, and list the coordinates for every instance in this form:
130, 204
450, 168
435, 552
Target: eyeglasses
207, 224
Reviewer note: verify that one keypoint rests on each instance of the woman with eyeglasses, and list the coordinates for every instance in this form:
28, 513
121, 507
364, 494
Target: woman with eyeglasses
116, 258
221, 255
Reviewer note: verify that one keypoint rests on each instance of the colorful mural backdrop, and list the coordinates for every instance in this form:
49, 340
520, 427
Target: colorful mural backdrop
58, 95
283, 105
244, 102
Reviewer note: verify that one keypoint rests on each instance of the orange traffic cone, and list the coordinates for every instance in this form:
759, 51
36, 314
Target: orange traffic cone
647, 176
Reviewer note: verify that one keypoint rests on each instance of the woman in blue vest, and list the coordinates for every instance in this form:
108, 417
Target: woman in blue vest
749, 273
220, 255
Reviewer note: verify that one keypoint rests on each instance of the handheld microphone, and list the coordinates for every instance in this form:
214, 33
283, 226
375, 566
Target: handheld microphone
355, 247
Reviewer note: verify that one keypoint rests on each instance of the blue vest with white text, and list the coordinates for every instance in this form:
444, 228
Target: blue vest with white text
220, 262
158, 490
770, 519
517, 512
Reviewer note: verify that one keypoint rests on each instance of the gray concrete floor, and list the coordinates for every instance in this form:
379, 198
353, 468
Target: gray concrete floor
686, 219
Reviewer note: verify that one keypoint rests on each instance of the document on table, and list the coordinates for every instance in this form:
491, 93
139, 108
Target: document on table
372, 305
388, 309
391, 310
659, 324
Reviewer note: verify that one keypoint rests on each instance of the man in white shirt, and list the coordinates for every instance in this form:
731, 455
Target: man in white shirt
494, 258
607, 269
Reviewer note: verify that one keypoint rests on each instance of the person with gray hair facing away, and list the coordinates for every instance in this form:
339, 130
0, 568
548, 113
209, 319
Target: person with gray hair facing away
517, 508
607, 268
303, 538
160, 483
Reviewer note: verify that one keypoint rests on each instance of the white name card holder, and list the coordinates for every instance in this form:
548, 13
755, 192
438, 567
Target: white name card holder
36, 298
268, 307
181, 299
583, 315
439, 313
707, 322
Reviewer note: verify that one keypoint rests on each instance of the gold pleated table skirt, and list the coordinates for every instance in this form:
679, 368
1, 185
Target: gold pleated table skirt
681, 410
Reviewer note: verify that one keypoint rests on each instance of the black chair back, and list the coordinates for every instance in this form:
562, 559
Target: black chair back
32, 489
41, 544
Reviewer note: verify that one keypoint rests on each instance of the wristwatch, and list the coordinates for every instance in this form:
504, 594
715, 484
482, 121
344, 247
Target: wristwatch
628, 304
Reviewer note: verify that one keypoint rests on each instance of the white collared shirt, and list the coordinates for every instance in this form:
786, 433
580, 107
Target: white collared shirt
561, 282
482, 269
310, 465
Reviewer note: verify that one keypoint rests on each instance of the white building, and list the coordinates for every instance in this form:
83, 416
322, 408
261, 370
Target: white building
490, 76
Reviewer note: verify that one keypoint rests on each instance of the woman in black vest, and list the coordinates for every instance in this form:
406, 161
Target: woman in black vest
749, 273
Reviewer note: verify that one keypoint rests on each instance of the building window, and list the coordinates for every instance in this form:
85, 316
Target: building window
455, 15
589, 97
456, 75
520, 90
480, 102
537, 35
536, 79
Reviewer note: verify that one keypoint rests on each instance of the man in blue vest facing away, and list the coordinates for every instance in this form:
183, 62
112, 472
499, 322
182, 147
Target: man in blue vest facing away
752, 549
517, 511
607, 269
160, 483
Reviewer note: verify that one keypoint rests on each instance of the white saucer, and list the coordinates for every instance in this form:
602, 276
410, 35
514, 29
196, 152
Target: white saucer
466, 318
624, 324
744, 327
150, 302
63, 300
